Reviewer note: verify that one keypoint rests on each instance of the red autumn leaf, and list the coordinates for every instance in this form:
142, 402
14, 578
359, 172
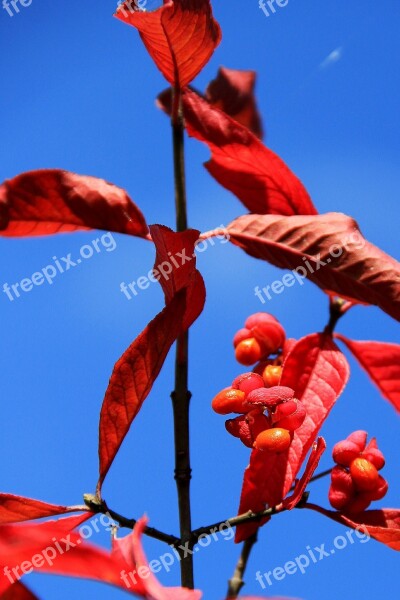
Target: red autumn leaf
382, 363
60, 551
53, 547
242, 164
382, 525
318, 449
137, 369
19, 543
180, 36
232, 91
317, 371
54, 201
176, 253
339, 258
14, 509
129, 549
18, 592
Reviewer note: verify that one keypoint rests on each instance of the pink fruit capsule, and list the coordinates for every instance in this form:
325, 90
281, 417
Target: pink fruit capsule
247, 382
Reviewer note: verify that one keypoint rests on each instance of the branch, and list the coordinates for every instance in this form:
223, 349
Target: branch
236, 583
320, 475
99, 506
249, 516
246, 517
181, 395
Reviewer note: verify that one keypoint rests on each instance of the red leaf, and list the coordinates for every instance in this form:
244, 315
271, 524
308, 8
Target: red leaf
318, 372
180, 36
318, 449
350, 265
76, 558
242, 164
382, 525
130, 550
54, 201
19, 543
55, 549
177, 252
14, 509
137, 369
232, 91
382, 363
18, 592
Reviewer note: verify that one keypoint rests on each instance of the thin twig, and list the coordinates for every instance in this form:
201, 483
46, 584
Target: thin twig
100, 506
236, 583
249, 516
246, 517
320, 475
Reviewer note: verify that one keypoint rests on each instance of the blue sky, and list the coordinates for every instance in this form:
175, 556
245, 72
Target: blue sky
78, 93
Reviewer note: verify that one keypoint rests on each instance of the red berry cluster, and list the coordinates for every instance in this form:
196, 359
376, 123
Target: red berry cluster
268, 415
355, 482
261, 336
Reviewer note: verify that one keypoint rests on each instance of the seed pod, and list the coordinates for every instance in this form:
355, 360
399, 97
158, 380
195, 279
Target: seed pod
242, 334
270, 397
374, 455
247, 382
267, 330
289, 415
345, 452
342, 490
380, 491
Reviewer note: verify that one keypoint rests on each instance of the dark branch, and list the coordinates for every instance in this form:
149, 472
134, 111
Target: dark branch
236, 583
100, 506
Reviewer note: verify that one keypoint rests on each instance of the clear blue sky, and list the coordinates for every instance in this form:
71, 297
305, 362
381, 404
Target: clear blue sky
78, 92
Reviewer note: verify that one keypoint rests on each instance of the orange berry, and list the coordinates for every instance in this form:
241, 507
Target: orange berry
271, 375
229, 401
248, 352
273, 440
365, 476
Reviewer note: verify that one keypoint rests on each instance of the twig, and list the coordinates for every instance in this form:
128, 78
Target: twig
100, 506
320, 475
246, 517
250, 516
236, 583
